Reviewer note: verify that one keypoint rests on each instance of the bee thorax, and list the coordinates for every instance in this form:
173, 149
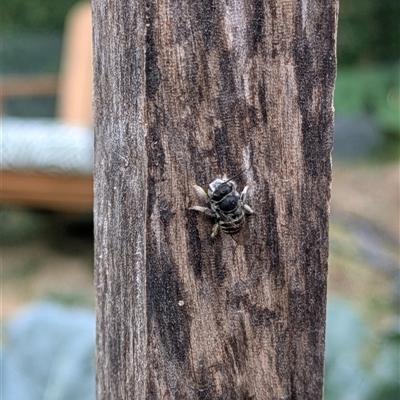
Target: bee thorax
229, 203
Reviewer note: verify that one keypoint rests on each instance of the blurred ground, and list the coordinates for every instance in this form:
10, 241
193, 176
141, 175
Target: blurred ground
53, 258
370, 193
364, 240
45, 257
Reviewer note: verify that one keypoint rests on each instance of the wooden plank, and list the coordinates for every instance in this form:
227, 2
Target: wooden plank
185, 92
49, 191
25, 86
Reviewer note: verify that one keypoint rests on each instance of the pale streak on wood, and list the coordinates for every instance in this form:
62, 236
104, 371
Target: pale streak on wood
234, 18
304, 12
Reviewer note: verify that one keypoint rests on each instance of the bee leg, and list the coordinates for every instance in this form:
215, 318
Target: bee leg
248, 209
204, 210
243, 199
200, 193
215, 230
244, 194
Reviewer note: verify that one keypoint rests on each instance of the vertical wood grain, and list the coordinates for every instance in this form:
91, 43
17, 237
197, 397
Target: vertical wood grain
184, 92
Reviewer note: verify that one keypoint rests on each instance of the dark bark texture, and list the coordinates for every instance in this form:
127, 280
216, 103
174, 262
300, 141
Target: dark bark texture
186, 91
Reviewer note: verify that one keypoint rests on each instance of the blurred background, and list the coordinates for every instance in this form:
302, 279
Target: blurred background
47, 242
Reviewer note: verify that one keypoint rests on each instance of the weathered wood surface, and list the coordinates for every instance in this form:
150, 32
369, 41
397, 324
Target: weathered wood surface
186, 91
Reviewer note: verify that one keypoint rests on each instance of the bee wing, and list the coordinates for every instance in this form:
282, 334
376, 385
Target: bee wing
200, 193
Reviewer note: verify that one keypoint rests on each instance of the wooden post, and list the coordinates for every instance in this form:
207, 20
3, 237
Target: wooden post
184, 92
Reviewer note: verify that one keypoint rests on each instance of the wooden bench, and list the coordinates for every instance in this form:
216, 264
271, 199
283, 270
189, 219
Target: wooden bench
73, 89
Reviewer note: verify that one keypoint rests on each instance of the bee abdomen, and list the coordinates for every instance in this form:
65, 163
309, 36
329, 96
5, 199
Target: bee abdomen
233, 226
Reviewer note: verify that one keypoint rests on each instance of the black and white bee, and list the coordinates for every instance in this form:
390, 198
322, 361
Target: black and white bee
227, 206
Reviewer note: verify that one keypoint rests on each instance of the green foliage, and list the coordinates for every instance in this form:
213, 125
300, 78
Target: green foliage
368, 31
35, 15
371, 91
30, 53
374, 91
18, 226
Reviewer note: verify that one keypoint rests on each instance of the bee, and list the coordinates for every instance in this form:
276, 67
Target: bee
227, 206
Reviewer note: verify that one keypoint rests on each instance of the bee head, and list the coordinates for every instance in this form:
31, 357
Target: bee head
223, 190
220, 188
